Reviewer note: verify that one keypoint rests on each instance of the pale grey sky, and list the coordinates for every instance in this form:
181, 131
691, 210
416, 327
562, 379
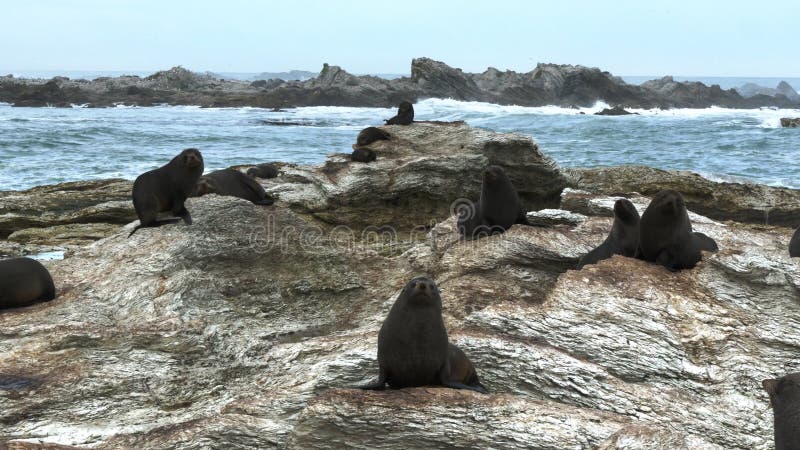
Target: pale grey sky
679, 37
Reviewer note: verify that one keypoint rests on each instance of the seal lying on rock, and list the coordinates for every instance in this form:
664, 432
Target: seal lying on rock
371, 134
784, 395
363, 155
413, 349
233, 183
497, 209
794, 244
405, 115
263, 171
24, 281
623, 238
665, 234
166, 189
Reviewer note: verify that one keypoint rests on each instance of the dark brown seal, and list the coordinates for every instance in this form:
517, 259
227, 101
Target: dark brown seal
623, 238
24, 281
371, 134
263, 171
497, 209
413, 349
166, 189
363, 155
784, 395
233, 183
405, 115
794, 244
665, 234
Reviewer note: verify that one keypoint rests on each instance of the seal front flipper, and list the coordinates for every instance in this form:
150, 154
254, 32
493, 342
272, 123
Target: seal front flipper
184, 214
704, 242
523, 218
156, 223
666, 259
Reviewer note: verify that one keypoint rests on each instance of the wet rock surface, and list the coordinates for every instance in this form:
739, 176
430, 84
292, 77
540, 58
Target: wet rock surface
248, 328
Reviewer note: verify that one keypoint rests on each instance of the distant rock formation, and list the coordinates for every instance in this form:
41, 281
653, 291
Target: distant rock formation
547, 84
749, 90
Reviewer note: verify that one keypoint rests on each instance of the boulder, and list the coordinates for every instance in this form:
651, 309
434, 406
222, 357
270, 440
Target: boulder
788, 122
615, 111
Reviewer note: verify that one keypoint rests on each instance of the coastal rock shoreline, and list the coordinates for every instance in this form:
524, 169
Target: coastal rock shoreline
547, 84
248, 328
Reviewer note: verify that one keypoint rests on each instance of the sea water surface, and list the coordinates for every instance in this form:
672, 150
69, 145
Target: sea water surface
52, 145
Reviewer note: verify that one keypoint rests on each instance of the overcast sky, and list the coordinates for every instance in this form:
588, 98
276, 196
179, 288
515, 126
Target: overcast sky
643, 37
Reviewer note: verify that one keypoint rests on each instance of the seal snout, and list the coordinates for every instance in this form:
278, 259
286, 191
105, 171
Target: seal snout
423, 288
192, 158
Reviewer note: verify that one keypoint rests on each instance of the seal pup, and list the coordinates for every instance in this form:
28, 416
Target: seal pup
405, 115
462, 370
24, 281
623, 238
263, 171
784, 396
233, 183
371, 134
497, 209
166, 189
413, 349
364, 155
794, 244
665, 234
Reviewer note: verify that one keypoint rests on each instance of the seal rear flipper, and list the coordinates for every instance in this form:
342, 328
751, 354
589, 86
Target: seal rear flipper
457, 385
705, 242
156, 223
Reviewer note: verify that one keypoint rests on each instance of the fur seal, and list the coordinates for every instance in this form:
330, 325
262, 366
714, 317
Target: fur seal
497, 209
371, 134
234, 183
363, 155
166, 189
665, 234
405, 115
263, 171
24, 281
784, 396
413, 349
794, 244
462, 370
623, 238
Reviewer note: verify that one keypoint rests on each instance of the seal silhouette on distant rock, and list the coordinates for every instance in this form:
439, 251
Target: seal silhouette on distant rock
623, 238
413, 349
166, 189
233, 183
263, 171
405, 115
371, 134
364, 155
665, 234
497, 209
794, 244
24, 281
784, 396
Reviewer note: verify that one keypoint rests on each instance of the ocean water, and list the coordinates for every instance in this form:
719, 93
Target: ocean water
51, 145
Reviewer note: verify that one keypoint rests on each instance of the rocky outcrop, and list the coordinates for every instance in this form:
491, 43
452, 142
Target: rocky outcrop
751, 203
547, 84
97, 203
787, 122
785, 89
615, 111
247, 329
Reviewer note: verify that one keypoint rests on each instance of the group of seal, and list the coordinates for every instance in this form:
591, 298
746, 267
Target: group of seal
413, 347
405, 116
784, 396
497, 209
234, 183
662, 235
23, 282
